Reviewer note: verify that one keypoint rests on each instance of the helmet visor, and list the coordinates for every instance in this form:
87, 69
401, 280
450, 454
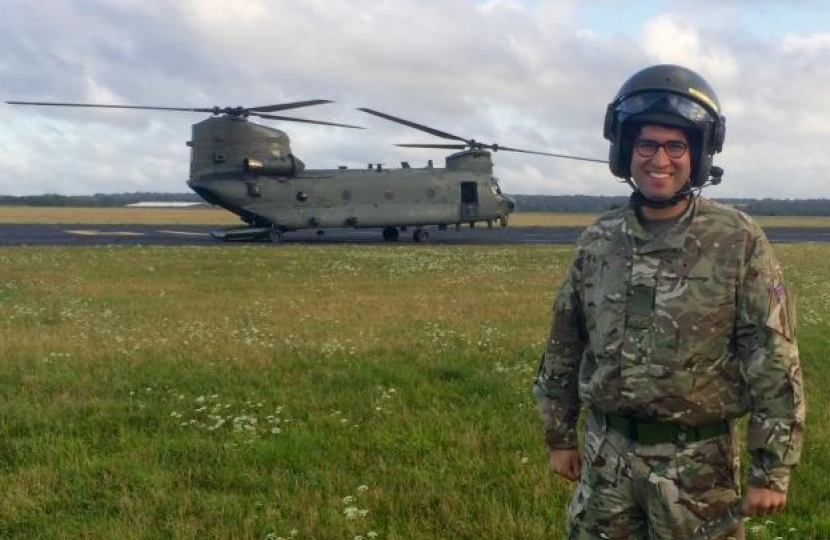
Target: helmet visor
665, 102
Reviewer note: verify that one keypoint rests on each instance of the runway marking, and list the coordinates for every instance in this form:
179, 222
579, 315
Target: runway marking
96, 232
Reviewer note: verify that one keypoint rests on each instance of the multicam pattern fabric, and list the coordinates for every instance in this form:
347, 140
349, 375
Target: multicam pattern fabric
692, 326
682, 485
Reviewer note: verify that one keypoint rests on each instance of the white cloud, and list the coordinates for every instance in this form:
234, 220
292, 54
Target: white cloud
527, 74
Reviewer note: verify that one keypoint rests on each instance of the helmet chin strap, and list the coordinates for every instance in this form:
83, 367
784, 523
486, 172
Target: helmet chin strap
638, 200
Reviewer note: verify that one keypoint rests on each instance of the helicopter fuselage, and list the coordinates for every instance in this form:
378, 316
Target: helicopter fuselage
249, 170
374, 197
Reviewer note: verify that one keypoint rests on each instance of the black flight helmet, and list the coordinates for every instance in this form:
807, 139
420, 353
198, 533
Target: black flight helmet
667, 95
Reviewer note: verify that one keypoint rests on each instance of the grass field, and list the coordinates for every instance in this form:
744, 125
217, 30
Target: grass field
308, 392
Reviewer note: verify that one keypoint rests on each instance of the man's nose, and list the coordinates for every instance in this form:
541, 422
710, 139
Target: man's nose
661, 156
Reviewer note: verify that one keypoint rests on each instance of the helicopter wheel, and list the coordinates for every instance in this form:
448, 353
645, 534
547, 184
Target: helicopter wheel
503, 222
275, 235
390, 234
420, 235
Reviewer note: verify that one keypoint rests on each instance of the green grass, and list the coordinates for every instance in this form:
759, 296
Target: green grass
306, 392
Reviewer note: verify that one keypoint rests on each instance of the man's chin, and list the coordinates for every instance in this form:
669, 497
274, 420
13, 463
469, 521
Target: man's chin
658, 196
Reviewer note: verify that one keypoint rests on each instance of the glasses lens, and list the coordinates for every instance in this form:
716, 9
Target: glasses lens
664, 102
675, 149
647, 148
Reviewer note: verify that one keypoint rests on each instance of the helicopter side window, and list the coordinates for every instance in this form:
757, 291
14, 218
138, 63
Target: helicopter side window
469, 193
302, 196
347, 195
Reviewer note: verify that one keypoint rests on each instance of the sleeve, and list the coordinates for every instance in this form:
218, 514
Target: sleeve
556, 385
766, 340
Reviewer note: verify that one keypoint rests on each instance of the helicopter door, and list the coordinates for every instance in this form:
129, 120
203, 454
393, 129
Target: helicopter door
469, 200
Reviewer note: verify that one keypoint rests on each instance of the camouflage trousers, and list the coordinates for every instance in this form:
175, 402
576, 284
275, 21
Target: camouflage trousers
665, 491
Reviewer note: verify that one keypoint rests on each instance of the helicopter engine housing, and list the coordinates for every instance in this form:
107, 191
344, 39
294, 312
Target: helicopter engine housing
283, 166
477, 161
222, 145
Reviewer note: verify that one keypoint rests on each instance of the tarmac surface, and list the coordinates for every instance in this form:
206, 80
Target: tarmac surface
180, 235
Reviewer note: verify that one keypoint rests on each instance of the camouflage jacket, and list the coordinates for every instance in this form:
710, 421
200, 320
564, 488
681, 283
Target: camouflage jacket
691, 327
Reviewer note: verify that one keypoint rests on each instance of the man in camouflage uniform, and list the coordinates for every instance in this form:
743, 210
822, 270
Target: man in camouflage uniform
673, 321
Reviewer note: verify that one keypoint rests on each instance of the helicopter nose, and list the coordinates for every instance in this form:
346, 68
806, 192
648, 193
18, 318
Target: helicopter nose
511, 204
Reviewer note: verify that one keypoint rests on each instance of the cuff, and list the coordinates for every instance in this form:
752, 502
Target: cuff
559, 441
777, 479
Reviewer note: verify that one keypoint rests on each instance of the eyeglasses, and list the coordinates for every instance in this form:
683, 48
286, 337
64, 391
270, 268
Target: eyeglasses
648, 148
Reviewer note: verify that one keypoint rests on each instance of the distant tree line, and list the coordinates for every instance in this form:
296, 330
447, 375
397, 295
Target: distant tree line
585, 204
97, 200
560, 204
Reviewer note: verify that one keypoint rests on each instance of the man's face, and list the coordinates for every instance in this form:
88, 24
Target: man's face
660, 176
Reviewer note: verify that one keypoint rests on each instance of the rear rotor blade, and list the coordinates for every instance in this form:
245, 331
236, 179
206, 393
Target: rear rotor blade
468, 143
579, 158
421, 127
496, 148
444, 146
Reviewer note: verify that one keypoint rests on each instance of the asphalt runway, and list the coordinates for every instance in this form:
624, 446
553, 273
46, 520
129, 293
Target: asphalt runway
186, 235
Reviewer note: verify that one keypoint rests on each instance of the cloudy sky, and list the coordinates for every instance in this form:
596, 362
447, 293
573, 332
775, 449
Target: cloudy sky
533, 74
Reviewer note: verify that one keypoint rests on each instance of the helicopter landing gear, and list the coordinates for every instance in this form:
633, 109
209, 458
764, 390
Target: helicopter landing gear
390, 234
275, 235
503, 222
420, 235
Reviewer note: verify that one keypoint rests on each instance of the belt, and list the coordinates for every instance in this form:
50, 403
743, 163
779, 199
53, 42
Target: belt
650, 432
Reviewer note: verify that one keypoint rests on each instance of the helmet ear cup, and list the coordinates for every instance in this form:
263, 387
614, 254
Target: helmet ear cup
615, 162
608, 129
719, 136
619, 157
702, 171
619, 160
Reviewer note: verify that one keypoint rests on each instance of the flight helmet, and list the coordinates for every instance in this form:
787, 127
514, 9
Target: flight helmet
672, 96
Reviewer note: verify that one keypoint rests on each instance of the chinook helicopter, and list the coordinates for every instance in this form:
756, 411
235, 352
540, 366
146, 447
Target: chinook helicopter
250, 170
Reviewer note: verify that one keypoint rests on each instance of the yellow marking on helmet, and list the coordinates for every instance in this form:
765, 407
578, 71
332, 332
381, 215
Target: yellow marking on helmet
704, 98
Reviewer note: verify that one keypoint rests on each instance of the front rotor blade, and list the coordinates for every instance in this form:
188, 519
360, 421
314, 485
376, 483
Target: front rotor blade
294, 105
421, 127
565, 156
304, 120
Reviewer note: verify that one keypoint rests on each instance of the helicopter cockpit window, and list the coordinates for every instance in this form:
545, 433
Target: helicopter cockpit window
495, 186
218, 157
302, 196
